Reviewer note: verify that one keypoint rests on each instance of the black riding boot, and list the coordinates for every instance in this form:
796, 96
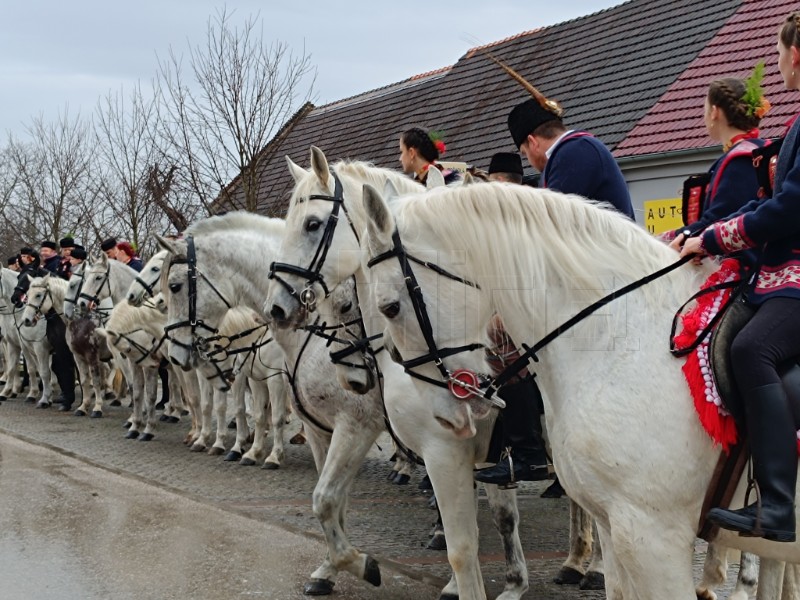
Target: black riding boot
525, 458
773, 444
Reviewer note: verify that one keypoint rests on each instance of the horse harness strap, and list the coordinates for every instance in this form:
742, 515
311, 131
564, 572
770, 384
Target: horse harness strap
292, 375
313, 273
435, 355
722, 487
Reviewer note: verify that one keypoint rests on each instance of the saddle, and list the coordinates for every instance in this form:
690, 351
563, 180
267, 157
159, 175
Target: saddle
731, 465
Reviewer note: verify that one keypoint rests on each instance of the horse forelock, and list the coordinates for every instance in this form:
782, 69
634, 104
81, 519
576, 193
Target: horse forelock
238, 319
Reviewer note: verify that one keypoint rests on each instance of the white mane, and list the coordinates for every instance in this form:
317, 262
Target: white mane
237, 220
56, 285
508, 228
237, 319
356, 173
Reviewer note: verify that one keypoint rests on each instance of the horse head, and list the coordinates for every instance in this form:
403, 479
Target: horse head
95, 285
435, 318
147, 283
37, 301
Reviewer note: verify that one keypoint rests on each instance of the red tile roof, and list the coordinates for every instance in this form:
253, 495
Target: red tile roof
675, 122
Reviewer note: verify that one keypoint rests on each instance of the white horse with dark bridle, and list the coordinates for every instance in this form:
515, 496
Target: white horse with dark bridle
626, 440
12, 345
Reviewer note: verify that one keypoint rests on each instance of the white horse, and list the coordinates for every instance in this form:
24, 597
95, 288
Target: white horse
104, 278
307, 220
231, 253
626, 439
34, 345
147, 282
89, 350
12, 345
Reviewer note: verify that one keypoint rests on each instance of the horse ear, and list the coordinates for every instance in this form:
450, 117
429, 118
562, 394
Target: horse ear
296, 170
390, 191
166, 244
380, 223
468, 179
102, 258
434, 179
319, 164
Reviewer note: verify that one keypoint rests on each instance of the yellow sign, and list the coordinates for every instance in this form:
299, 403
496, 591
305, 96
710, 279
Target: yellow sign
662, 215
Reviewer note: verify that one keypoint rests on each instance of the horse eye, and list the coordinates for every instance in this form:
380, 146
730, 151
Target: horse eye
175, 287
346, 308
156, 269
98, 278
313, 225
391, 310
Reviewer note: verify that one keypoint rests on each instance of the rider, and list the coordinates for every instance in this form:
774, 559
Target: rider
506, 167
733, 111
419, 151
772, 336
49, 256
67, 245
572, 162
126, 254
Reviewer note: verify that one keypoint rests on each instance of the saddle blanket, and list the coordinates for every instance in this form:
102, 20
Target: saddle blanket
717, 422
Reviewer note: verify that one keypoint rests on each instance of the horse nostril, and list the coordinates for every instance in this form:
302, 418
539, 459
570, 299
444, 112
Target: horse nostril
277, 313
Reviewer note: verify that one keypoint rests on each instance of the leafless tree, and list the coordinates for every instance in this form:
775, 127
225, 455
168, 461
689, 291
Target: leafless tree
49, 186
239, 91
125, 128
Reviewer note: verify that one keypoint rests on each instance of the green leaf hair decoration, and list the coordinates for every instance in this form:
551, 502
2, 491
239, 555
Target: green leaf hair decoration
754, 93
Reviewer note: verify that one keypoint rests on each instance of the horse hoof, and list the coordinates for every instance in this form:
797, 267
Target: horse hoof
132, 435
3, 398
110, 396
146, 437
216, 451
30, 400
96, 414
568, 576
270, 466
184, 412
79, 413
372, 572
161, 405
247, 462
448, 597
298, 439
173, 419
126, 424
402, 479
593, 581
43, 405
163, 418
318, 587
232, 456
115, 403
198, 447
392, 475
438, 542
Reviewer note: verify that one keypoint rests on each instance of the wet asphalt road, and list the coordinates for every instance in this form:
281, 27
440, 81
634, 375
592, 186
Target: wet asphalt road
87, 514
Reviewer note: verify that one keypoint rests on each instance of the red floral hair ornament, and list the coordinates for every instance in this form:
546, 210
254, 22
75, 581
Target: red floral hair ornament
436, 138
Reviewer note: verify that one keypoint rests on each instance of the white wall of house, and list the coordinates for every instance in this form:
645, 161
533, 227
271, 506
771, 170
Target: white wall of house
661, 176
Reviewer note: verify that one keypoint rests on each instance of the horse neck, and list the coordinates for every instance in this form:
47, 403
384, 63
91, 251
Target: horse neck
120, 277
236, 264
58, 290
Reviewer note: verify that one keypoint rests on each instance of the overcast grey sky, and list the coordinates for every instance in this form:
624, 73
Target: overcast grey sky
55, 54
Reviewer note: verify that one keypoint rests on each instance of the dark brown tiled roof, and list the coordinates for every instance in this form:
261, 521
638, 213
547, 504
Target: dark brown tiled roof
607, 70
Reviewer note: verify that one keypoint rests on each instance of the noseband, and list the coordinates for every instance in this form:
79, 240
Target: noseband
307, 297
462, 383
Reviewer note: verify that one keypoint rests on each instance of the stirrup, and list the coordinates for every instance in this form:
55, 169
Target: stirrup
506, 455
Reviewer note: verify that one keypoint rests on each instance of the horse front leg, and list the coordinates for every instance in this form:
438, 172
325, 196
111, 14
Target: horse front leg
11, 374
86, 387
278, 389
221, 411
137, 389
206, 406
770, 581
580, 546
503, 504
150, 374
349, 445
259, 399
452, 479
242, 429
42, 349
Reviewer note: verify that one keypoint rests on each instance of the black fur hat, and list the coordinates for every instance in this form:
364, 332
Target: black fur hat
108, 244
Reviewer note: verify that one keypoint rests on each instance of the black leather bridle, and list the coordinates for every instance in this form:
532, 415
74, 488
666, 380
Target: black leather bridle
462, 383
307, 297
198, 343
